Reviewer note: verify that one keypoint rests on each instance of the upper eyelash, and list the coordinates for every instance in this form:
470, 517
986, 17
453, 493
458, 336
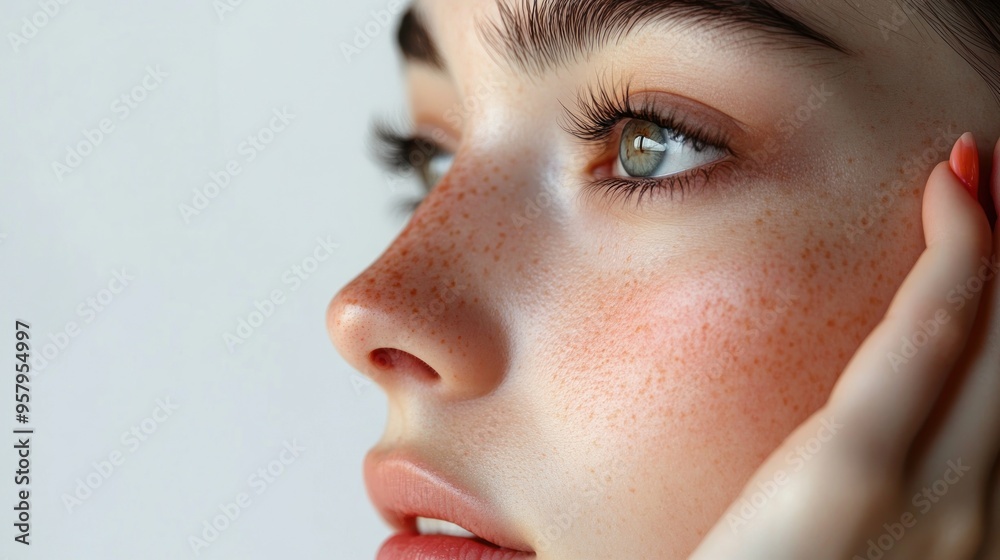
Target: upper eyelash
602, 107
395, 149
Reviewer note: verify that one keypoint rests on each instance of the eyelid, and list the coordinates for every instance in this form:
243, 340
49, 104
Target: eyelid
603, 104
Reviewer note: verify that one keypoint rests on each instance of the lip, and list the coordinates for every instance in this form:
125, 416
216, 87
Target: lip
403, 487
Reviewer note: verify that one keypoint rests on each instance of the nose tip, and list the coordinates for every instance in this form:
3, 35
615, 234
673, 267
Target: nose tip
413, 338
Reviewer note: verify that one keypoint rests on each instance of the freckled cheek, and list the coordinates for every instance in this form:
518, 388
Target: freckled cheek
754, 349
699, 376
710, 348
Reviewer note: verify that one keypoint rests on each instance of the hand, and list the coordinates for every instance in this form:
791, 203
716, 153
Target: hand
902, 456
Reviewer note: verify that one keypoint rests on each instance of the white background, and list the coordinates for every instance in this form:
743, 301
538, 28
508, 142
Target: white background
161, 337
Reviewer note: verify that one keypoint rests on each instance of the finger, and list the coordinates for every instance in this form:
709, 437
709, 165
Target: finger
966, 422
891, 383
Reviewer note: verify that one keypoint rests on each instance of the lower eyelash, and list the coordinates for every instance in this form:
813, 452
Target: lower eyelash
625, 190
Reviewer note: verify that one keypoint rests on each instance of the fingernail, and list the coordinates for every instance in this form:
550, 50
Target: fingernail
965, 163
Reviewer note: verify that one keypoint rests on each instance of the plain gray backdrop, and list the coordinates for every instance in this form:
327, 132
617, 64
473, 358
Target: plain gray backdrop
146, 420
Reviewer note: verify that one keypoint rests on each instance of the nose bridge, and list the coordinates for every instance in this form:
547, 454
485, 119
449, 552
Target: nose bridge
429, 296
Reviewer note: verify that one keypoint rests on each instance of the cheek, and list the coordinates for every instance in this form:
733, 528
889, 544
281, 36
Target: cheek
694, 376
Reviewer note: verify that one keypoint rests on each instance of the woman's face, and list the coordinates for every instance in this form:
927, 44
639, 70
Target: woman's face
651, 256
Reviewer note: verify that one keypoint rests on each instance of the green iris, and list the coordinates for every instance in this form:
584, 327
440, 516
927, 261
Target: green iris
642, 149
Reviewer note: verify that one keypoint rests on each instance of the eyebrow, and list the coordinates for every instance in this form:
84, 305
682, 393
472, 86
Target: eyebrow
535, 36
415, 41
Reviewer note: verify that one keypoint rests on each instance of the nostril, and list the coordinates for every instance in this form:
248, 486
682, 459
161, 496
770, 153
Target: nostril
383, 358
393, 359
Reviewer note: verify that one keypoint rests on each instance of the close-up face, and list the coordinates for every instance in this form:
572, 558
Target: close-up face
654, 235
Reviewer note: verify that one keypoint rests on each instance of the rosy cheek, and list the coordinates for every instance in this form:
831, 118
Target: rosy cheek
697, 373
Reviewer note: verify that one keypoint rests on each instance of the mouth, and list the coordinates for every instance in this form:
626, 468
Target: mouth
433, 518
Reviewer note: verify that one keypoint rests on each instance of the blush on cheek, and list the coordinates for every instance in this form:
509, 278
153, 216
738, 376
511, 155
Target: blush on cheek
745, 354
742, 350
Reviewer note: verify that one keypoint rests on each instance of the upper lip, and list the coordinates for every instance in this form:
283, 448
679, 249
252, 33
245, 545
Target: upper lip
403, 487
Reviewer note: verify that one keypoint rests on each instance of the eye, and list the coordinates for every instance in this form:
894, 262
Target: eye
405, 153
435, 167
648, 150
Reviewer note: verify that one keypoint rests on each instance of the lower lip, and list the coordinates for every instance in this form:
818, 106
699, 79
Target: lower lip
439, 547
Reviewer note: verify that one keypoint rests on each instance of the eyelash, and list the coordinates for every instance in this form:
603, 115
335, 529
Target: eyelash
600, 113
395, 151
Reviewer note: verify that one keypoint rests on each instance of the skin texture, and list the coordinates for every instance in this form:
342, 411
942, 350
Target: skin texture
566, 354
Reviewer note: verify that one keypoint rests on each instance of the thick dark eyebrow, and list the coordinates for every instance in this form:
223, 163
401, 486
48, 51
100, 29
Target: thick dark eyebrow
415, 42
535, 36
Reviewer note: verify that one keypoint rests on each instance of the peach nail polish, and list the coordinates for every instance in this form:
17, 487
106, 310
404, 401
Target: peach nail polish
965, 163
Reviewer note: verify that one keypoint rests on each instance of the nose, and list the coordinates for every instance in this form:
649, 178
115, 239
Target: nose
420, 319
